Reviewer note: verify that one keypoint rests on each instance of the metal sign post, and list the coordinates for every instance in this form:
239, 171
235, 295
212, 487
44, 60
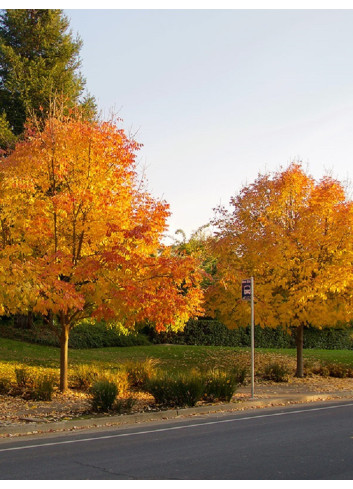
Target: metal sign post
252, 341
247, 293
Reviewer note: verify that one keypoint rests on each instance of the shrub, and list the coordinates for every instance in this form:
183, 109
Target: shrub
326, 369
104, 394
176, 389
119, 377
5, 385
340, 371
124, 406
276, 372
84, 376
140, 372
220, 386
310, 365
43, 388
319, 369
239, 374
23, 377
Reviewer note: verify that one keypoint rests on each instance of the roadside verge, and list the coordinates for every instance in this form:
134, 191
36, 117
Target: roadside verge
37, 427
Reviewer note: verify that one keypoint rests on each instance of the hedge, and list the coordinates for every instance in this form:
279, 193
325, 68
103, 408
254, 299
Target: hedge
99, 335
196, 332
211, 332
84, 335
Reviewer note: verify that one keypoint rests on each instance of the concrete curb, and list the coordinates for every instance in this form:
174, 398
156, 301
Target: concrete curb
132, 419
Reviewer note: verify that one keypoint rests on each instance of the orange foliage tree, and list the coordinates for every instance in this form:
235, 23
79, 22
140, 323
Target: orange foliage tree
81, 236
295, 236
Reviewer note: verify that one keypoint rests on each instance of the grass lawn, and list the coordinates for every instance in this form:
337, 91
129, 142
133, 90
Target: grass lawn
331, 356
170, 357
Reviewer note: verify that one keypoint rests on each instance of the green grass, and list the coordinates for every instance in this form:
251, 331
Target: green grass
13, 351
170, 357
332, 356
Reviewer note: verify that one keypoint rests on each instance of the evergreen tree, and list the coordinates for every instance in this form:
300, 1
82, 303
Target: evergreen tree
39, 60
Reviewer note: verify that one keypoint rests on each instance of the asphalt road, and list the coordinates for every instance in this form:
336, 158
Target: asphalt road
303, 442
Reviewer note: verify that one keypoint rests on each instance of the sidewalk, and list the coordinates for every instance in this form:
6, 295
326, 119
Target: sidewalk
265, 396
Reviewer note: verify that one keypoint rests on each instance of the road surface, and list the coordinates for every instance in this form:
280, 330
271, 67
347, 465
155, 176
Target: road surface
313, 441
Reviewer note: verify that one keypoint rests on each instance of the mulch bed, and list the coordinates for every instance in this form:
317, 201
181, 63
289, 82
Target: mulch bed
74, 404
71, 405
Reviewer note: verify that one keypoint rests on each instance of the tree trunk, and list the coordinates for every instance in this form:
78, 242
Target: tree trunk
64, 348
300, 346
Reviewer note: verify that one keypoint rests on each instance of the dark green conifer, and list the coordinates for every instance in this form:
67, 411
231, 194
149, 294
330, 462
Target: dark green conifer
39, 61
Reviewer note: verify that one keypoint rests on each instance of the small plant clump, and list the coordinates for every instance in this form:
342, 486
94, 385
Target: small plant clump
43, 388
239, 373
277, 372
104, 393
118, 377
5, 385
339, 371
23, 377
327, 369
83, 376
220, 385
28, 382
177, 389
124, 406
139, 373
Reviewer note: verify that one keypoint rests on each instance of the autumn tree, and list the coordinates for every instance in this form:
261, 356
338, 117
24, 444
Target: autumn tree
295, 236
82, 237
39, 59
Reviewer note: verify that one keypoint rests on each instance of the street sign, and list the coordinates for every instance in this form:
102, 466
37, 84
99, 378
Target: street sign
246, 289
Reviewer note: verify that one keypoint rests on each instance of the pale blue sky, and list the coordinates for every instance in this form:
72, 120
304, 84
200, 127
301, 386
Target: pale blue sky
217, 96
